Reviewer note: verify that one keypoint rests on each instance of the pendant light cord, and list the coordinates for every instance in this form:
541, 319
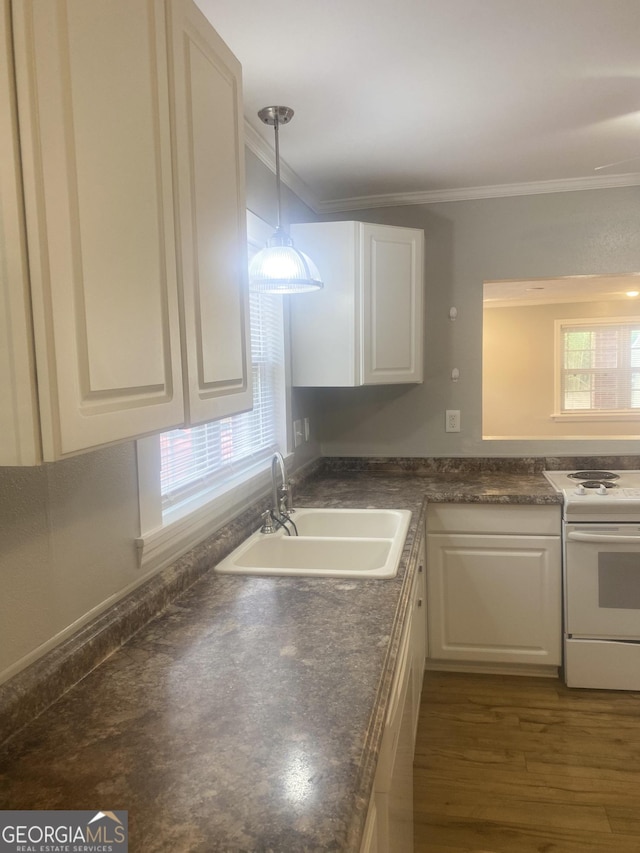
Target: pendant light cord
279, 200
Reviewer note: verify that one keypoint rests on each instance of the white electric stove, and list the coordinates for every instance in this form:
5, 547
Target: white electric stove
601, 576
598, 495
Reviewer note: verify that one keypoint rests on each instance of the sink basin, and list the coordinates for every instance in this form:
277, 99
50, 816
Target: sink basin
352, 523
339, 543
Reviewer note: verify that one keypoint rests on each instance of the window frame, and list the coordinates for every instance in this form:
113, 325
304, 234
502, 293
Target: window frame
592, 415
164, 538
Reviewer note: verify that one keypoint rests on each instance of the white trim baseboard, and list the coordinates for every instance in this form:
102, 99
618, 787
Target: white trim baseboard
534, 670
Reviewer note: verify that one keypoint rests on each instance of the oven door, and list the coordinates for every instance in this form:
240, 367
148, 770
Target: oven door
602, 581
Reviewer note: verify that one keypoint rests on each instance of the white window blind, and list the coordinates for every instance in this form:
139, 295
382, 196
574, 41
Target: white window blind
202, 458
600, 366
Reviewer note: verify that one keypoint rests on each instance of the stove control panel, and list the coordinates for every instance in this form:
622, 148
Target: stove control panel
601, 496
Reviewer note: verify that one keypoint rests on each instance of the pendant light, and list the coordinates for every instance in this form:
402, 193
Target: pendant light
280, 268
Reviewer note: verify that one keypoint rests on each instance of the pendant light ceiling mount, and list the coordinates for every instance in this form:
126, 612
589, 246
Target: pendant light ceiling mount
280, 268
275, 115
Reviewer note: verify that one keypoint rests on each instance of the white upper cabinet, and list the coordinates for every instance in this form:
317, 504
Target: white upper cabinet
210, 193
123, 252
366, 326
93, 110
19, 428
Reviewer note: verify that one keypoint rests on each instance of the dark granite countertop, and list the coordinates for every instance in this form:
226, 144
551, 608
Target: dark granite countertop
248, 715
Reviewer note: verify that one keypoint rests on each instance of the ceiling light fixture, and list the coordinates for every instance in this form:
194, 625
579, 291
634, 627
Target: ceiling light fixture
633, 292
280, 268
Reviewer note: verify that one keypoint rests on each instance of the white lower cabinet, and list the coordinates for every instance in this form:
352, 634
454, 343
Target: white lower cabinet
370, 834
389, 826
419, 634
494, 584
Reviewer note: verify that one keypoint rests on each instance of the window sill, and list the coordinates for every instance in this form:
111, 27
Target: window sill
596, 418
184, 526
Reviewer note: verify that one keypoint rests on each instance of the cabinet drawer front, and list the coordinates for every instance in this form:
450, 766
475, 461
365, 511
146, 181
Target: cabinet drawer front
494, 518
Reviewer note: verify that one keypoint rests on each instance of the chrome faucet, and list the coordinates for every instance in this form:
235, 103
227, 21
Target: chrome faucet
279, 497
280, 512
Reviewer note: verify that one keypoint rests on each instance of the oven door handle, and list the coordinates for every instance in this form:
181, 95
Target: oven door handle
576, 536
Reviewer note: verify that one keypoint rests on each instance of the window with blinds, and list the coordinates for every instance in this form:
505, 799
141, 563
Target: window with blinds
600, 366
203, 458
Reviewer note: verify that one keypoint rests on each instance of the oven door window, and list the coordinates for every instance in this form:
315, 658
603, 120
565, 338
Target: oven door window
619, 580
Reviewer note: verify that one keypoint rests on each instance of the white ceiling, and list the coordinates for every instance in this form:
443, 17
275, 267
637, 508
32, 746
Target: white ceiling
575, 288
424, 100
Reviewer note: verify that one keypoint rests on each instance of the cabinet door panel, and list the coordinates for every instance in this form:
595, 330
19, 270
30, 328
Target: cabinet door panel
494, 598
97, 168
19, 433
209, 167
392, 264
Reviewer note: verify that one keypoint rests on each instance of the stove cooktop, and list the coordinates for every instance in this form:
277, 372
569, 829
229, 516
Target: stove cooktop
592, 495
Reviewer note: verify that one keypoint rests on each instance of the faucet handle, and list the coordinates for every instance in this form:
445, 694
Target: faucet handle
286, 500
267, 522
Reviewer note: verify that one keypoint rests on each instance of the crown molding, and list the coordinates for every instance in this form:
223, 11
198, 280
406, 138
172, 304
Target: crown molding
263, 151
472, 193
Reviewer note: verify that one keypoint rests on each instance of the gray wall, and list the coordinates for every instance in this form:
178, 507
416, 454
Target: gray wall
466, 243
67, 548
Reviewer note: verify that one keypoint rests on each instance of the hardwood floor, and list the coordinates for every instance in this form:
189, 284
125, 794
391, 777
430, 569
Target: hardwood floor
525, 765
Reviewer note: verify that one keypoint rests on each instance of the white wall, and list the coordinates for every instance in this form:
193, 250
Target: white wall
466, 243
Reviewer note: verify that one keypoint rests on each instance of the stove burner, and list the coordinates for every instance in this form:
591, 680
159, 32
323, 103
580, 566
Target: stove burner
599, 476
595, 484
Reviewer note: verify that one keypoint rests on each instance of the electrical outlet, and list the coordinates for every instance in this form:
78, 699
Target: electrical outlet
452, 420
298, 433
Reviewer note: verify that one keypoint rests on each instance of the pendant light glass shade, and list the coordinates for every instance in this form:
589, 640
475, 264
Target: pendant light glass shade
280, 268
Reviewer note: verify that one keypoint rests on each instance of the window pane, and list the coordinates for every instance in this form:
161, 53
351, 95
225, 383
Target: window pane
577, 400
634, 339
578, 382
578, 340
597, 362
605, 348
577, 359
635, 390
